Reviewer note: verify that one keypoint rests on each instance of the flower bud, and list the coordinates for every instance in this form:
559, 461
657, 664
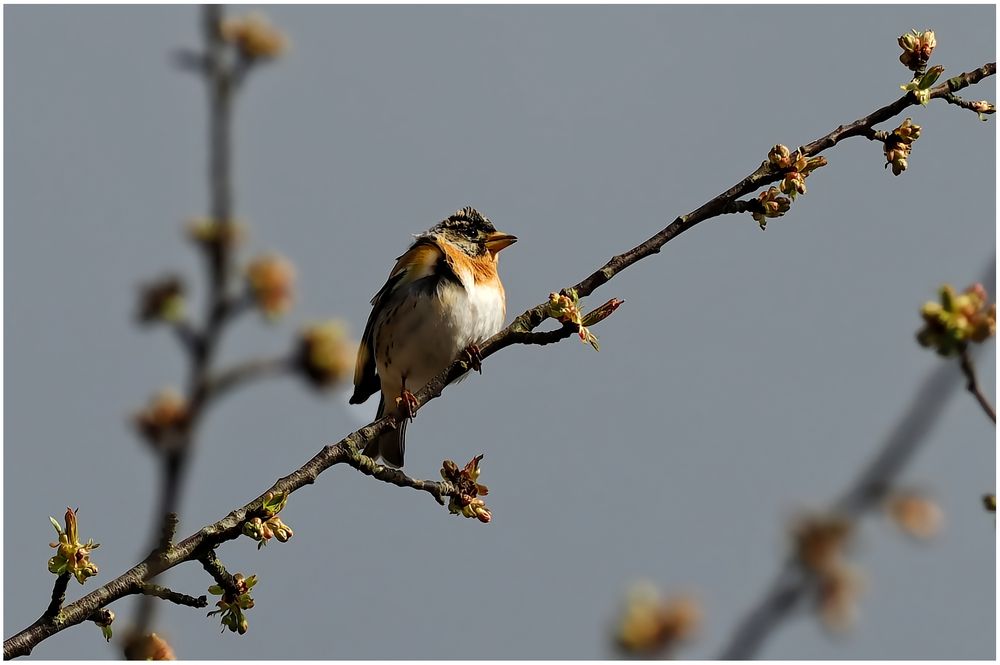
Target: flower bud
166, 414
162, 300
254, 36
326, 355
272, 284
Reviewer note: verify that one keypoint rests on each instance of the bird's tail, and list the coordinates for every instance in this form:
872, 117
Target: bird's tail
389, 444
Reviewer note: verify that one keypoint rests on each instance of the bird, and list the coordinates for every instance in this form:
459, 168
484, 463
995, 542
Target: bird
442, 299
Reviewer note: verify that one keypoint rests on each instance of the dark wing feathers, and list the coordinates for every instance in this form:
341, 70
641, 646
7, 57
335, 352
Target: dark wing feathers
423, 259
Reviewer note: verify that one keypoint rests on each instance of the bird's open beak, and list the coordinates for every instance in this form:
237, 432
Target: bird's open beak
498, 241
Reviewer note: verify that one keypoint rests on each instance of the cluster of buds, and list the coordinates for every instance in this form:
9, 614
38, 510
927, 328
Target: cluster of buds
166, 415
771, 204
161, 300
959, 318
920, 86
652, 625
272, 284
254, 36
566, 308
820, 544
263, 529
208, 232
466, 500
898, 144
232, 606
796, 168
917, 49
104, 618
915, 513
148, 647
325, 354
72, 556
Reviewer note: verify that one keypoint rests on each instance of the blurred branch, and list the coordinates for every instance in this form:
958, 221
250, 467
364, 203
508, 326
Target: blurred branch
972, 385
873, 484
520, 331
224, 380
201, 345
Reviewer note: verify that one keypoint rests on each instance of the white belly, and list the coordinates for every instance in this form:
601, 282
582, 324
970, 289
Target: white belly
430, 331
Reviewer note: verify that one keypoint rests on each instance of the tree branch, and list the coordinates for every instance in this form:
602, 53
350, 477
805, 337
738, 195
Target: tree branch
520, 331
793, 584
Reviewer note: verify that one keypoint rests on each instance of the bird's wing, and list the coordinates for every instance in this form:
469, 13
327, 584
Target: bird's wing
422, 260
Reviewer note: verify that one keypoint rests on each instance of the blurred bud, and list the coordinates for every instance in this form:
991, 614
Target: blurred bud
71, 556
254, 36
206, 231
165, 415
772, 204
161, 300
820, 541
651, 625
839, 591
326, 355
957, 319
990, 502
272, 284
917, 48
465, 501
148, 647
916, 514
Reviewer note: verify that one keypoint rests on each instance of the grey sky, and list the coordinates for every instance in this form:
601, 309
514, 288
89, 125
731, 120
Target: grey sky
747, 375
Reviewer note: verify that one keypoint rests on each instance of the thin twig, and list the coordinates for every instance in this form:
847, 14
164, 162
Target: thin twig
520, 331
224, 380
972, 385
156, 591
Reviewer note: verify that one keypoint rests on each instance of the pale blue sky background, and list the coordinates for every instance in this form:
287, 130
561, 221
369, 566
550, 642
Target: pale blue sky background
749, 374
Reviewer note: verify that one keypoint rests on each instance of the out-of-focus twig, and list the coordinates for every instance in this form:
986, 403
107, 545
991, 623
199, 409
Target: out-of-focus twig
793, 584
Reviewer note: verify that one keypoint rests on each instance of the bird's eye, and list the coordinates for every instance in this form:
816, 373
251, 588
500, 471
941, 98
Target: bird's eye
471, 232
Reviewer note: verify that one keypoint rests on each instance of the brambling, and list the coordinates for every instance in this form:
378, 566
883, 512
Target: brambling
443, 298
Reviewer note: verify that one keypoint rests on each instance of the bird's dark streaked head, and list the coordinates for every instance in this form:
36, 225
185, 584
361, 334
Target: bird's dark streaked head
473, 232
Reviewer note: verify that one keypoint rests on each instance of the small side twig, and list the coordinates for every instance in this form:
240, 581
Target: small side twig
214, 567
366, 465
176, 597
972, 385
58, 596
980, 107
224, 380
170, 523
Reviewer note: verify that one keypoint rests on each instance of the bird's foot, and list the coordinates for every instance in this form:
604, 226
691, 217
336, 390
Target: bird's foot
407, 400
474, 357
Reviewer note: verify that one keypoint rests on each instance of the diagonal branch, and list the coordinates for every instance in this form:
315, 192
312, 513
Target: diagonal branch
793, 584
520, 331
